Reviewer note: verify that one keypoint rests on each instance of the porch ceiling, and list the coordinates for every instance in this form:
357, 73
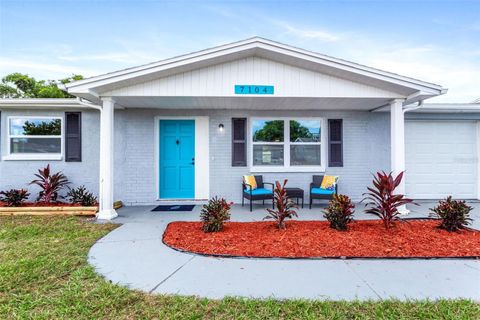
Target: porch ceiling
263, 103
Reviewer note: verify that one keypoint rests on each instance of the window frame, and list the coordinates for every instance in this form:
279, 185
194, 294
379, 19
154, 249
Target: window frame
34, 156
286, 144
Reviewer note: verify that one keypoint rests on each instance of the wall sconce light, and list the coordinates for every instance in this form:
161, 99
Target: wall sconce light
220, 127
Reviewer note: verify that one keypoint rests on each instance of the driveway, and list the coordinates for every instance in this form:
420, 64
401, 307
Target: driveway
133, 255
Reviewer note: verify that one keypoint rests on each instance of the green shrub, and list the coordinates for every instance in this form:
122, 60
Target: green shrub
214, 214
339, 212
14, 197
285, 207
81, 196
453, 213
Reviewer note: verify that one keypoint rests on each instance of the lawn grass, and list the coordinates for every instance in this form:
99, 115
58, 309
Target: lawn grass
44, 275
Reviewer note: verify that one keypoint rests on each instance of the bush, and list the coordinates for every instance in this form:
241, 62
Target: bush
453, 213
214, 214
81, 196
14, 197
51, 184
285, 206
339, 212
381, 199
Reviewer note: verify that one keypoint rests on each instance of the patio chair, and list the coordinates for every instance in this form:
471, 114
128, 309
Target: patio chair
259, 193
318, 193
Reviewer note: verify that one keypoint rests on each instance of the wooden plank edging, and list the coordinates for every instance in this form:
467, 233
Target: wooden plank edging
63, 210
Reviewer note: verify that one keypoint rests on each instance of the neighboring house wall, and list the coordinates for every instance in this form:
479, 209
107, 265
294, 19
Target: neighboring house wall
18, 173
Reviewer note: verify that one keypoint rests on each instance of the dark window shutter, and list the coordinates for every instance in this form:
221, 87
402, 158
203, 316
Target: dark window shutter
239, 142
73, 136
335, 143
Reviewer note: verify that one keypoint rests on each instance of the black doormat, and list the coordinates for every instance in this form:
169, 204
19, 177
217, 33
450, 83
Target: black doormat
175, 207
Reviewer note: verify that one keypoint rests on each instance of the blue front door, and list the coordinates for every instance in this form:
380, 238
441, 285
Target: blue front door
177, 159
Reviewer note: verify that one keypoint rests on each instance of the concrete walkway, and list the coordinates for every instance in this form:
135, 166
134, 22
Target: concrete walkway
133, 255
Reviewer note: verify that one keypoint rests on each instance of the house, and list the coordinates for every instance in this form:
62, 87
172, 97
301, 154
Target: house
189, 127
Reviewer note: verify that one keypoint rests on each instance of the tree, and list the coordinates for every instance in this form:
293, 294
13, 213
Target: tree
298, 131
273, 131
43, 128
18, 85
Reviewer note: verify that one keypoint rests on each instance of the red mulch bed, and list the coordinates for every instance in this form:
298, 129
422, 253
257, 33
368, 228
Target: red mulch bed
42, 204
309, 239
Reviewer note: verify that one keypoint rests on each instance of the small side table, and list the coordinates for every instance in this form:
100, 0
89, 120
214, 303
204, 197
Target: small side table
296, 193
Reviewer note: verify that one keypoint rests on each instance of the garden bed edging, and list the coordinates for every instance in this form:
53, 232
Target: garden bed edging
50, 210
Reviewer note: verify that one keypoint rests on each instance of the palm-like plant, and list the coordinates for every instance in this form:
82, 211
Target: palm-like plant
285, 206
381, 199
50, 184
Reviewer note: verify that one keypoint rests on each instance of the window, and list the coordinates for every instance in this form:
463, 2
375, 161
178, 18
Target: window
268, 142
34, 137
287, 144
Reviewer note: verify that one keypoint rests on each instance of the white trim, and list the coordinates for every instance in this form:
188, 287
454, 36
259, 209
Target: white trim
31, 156
202, 155
8, 156
286, 143
50, 103
448, 108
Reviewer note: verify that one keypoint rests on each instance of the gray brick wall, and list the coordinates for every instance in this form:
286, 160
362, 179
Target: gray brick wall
366, 150
17, 174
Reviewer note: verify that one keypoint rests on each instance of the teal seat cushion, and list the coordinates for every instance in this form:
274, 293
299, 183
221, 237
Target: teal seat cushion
259, 191
322, 191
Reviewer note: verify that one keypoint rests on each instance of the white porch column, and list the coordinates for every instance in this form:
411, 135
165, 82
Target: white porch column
397, 137
106, 210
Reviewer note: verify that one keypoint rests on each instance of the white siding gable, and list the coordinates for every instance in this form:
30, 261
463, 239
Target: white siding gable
219, 81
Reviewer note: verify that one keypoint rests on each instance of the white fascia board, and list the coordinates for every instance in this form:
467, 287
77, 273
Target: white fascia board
249, 44
356, 68
47, 103
160, 65
449, 108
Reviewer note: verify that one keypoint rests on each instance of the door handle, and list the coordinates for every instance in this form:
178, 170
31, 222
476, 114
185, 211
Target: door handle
193, 161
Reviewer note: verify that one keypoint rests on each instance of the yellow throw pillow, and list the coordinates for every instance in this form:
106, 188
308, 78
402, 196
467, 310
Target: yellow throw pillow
250, 180
329, 182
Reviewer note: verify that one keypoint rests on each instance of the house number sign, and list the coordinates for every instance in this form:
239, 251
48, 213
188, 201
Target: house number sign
253, 89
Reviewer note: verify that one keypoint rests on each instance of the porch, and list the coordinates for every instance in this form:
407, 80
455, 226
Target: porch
208, 87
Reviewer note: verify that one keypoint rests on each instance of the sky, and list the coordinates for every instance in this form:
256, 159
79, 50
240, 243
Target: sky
435, 41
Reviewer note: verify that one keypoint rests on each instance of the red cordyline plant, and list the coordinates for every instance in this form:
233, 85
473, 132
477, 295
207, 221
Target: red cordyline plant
381, 199
51, 184
285, 207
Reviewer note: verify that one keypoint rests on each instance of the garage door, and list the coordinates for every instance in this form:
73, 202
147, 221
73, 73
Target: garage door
441, 159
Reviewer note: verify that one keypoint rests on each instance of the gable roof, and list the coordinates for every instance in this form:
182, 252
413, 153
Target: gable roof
92, 88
